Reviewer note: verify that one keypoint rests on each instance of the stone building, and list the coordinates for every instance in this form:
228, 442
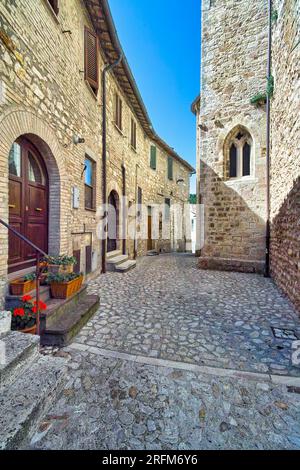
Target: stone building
285, 153
231, 144
231, 170
53, 54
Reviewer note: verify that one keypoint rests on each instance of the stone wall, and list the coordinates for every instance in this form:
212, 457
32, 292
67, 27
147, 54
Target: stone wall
44, 96
234, 64
285, 155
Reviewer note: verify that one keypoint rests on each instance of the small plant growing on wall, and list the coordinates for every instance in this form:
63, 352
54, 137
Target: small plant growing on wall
259, 99
274, 16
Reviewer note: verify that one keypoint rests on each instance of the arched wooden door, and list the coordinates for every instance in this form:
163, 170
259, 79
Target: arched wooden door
113, 221
28, 203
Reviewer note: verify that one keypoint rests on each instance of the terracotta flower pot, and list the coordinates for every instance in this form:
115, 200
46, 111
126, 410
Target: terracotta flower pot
29, 331
20, 287
64, 290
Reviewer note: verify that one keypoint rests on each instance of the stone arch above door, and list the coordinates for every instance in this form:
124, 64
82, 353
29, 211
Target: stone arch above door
20, 122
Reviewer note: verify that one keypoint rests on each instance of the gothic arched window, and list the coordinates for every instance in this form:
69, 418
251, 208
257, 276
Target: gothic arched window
239, 154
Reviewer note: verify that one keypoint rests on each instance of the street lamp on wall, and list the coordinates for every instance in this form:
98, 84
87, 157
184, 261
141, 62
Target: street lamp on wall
78, 140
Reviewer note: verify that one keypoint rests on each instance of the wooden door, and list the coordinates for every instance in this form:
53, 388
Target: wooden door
112, 242
28, 204
149, 241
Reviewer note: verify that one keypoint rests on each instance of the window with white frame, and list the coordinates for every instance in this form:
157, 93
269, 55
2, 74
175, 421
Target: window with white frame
239, 150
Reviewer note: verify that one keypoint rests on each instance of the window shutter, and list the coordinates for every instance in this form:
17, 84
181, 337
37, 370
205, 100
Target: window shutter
88, 259
153, 158
91, 59
170, 168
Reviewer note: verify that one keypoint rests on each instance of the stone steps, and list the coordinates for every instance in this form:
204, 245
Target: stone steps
112, 254
28, 399
56, 308
116, 262
19, 351
71, 319
126, 266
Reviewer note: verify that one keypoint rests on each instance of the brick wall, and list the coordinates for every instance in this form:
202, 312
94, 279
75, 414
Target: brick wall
234, 63
285, 157
44, 96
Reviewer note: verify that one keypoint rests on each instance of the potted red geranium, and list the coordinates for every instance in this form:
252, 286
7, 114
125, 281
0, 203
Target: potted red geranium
24, 316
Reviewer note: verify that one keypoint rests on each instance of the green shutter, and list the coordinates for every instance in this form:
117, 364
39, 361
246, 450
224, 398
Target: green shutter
170, 168
153, 157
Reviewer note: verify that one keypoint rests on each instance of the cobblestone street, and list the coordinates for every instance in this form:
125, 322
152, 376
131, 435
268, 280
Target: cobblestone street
178, 358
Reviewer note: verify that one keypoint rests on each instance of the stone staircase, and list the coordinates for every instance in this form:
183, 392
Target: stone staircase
29, 384
116, 262
63, 319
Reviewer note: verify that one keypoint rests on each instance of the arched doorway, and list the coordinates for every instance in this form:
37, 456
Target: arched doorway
28, 203
113, 222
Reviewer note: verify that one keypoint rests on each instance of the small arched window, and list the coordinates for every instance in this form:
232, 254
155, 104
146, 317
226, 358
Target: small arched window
239, 154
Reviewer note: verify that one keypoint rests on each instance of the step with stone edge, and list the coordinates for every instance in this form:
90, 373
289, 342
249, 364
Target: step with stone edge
18, 352
117, 260
112, 254
57, 308
126, 266
65, 328
29, 398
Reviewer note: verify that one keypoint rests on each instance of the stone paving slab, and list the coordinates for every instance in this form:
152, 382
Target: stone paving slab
113, 404
169, 309
178, 358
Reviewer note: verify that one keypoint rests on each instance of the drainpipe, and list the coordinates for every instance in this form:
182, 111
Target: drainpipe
106, 69
136, 202
124, 218
268, 155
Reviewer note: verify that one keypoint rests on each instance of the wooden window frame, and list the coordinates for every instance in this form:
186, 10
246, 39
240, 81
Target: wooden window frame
118, 112
170, 163
94, 84
92, 188
239, 144
153, 157
88, 259
133, 134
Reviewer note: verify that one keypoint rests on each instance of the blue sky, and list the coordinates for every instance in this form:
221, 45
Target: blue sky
161, 40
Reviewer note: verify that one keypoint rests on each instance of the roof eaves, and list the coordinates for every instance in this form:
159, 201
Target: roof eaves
145, 120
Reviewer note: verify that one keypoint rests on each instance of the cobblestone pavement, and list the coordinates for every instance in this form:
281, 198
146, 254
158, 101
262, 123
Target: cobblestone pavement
168, 308
119, 404
178, 358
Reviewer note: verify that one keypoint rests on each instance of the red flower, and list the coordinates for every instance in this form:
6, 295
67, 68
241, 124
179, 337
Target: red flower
19, 312
42, 306
26, 298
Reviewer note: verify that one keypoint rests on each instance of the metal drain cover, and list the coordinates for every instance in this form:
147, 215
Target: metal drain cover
282, 333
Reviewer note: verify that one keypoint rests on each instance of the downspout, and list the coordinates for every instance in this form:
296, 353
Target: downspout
136, 202
268, 148
124, 218
106, 69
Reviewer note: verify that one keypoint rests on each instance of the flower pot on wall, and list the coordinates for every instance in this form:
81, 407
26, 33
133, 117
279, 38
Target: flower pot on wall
64, 290
21, 287
29, 331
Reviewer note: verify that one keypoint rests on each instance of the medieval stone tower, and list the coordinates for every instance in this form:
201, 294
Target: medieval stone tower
232, 133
